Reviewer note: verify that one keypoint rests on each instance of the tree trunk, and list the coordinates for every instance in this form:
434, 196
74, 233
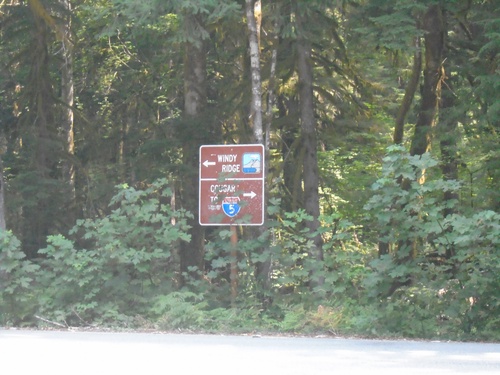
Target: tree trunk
3, 225
309, 138
410, 90
271, 96
36, 224
254, 20
447, 130
433, 26
192, 254
291, 153
253, 37
42, 94
67, 123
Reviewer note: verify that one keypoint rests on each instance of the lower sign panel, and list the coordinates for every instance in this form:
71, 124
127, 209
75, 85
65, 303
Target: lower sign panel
231, 202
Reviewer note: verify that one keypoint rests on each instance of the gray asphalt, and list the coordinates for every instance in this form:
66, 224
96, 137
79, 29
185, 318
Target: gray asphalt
54, 352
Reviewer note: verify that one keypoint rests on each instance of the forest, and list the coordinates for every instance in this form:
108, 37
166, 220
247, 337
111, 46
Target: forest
380, 121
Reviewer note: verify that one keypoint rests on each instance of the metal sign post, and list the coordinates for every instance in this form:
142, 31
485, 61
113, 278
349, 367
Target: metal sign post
234, 265
232, 192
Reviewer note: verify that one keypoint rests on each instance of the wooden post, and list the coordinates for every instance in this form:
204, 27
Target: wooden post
234, 265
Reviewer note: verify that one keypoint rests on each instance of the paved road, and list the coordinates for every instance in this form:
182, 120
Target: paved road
68, 353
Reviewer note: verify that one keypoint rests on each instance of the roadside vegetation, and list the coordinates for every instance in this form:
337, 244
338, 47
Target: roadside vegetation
380, 124
119, 271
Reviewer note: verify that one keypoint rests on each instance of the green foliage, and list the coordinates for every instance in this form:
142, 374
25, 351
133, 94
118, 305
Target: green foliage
340, 170
185, 310
477, 270
179, 310
287, 246
392, 24
411, 212
345, 261
294, 248
342, 268
17, 297
322, 320
120, 266
139, 14
454, 274
127, 260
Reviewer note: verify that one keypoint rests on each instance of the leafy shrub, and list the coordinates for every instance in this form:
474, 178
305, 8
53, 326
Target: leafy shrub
287, 246
179, 310
476, 271
323, 319
185, 310
16, 277
342, 269
450, 283
129, 258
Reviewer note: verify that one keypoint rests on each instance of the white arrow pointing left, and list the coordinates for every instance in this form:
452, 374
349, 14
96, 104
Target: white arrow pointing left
206, 163
251, 195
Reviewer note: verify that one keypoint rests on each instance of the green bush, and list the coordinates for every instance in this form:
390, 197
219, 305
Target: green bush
449, 286
122, 269
17, 297
129, 259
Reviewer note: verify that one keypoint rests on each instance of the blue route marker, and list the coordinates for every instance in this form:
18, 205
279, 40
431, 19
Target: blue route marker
231, 206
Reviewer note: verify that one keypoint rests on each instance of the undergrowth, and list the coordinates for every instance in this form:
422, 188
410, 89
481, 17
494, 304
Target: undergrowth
121, 270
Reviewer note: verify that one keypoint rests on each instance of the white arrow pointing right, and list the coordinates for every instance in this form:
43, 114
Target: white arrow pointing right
251, 195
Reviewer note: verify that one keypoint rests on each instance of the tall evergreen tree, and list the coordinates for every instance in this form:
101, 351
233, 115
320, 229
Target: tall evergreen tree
308, 131
195, 102
3, 224
434, 32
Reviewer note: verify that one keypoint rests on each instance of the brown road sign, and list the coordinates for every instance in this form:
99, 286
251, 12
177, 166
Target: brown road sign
231, 185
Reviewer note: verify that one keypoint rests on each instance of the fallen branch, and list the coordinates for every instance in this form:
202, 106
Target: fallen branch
51, 322
81, 319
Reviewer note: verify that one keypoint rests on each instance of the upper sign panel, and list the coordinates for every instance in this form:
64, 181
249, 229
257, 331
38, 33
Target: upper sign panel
231, 161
